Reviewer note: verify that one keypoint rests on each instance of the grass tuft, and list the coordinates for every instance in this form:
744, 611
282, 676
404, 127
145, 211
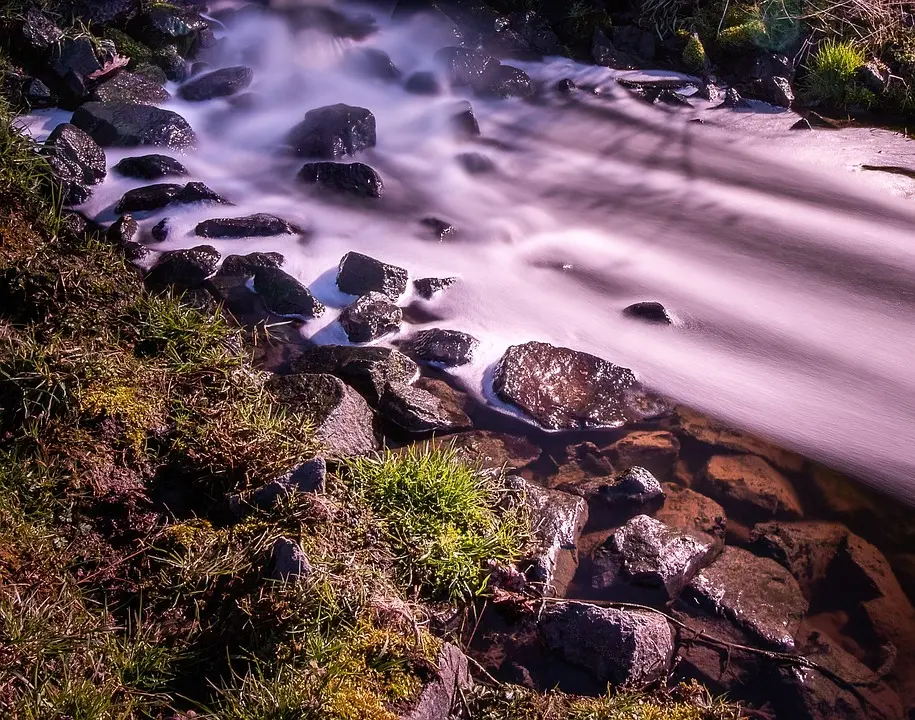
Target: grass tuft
831, 73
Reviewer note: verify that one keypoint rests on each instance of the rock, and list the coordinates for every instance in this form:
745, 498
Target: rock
655, 450
423, 83
368, 369
184, 268
710, 91
418, 411
360, 274
151, 72
310, 476
284, 295
802, 124
777, 90
427, 288
175, 67
333, 131
536, 32
447, 348
634, 40
462, 66
150, 167
438, 229
148, 198
648, 562
343, 420
258, 225
247, 265
557, 519
124, 230
694, 513
102, 12
219, 83
161, 230
621, 647
165, 26
664, 96
732, 99
371, 63
370, 317
356, 179
464, 122
636, 486
756, 594
452, 680
653, 312
504, 81
288, 563
563, 389
603, 52
491, 450
38, 96
130, 124
73, 62
129, 87
35, 36
566, 86
749, 488
875, 76
76, 161
475, 163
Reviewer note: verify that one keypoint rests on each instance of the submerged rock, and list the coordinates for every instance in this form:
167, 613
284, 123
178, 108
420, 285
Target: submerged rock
149, 167
464, 122
370, 317
621, 647
749, 488
448, 348
333, 131
462, 66
130, 124
650, 311
371, 63
343, 420
632, 489
216, 84
360, 274
423, 83
427, 288
184, 268
368, 369
565, 389
655, 450
247, 265
691, 512
351, 178
284, 295
288, 562
475, 163
504, 81
131, 88
257, 225
418, 411
77, 162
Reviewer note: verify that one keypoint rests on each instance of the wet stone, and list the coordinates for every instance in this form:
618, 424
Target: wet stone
655, 450
198, 192
438, 229
464, 122
284, 295
122, 231
423, 83
35, 35
148, 198
333, 131
130, 124
37, 95
163, 26
636, 486
257, 225
564, 389
371, 63
356, 179
368, 369
732, 99
217, 84
372, 316
73, 61
132, 88
504, 81
288, 562
427, 288
653, 312
247, 265
462, 66
184, 268
360, 274
475, 163
749, 488
150, 167
566, 86
76, 161
688, 511
418, 411
135, 252
448, 348
161, 230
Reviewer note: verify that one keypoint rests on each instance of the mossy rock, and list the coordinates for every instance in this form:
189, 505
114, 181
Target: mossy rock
694, 57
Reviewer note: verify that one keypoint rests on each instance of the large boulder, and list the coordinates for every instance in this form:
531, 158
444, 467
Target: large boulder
343, 420
333, 131
284, 295
749, 488
650, 311
76, 161
360, 274
370, 317
219, 83
131, 124
184, 268
564, 389
257, 225
621, 647
247, 265
357, 179
148, 198
418, 411
446, 348
647, 561
368, 369
149, 167
130, 87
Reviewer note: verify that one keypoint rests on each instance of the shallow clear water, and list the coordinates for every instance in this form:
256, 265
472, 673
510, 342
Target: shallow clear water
791, 269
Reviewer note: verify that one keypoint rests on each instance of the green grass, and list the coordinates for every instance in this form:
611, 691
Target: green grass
831, 73
445, 519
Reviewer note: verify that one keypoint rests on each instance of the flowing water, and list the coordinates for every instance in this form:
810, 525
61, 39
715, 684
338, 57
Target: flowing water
789, 267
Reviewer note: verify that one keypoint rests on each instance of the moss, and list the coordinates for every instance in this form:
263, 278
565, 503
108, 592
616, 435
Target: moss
746, 34
694, 56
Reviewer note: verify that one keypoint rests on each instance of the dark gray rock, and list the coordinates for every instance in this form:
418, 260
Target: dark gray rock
34, 36
451, 681
504, 81
536, 32
756, 594
566, 86
247, 265
288, 562
149, 167
464, 122
216, 84
184, 268
76, 161
875, 76
310, 476
73, 61
777, 90
448, 348
198, 192
653, 312
565, 389
360, 274
284, 295
102, 12
423, 83
333, 131
37, 95
357, 179
645, 561
368, 369
462, 66
371, 63
427, 288
148, 198
172, 63
124, 230
635, 488
475, 163
634, 40
802, 124
438, 229
135, 252
621, 647
130, 124
130, 88
418, 411
258, 225
733, 100
161, 230
166, 26
370, 317
343, 420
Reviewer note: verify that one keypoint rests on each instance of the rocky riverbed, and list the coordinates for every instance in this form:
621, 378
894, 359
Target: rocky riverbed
670, 546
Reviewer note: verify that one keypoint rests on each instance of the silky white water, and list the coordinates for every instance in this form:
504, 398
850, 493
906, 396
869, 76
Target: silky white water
791, 269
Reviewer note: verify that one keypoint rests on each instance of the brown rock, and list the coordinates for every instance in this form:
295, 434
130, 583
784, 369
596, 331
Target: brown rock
492, 450
693, 512
749, 488
656, 451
